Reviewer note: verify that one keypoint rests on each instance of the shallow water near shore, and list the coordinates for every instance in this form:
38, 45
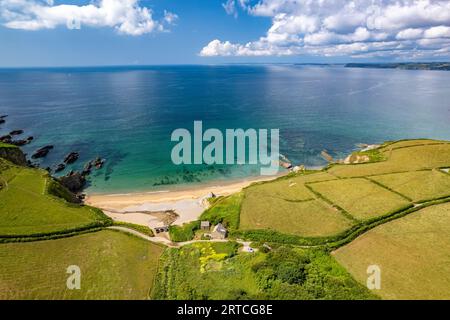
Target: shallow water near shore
127, 114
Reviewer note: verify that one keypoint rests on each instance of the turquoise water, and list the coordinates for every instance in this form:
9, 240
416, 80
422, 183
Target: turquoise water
126, 115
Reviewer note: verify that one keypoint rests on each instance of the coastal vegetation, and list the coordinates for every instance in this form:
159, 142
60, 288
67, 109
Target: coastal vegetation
443, 66
344, 200
368, 213
136, 227
30, 210
209, 271
113, 265
185, 232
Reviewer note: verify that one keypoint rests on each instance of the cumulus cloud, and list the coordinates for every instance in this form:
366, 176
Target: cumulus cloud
126, 16
359, 28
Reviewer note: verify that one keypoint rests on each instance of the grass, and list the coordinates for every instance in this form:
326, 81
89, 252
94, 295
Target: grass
287, 205
113, 265
136, 227
312, 218
202, 271
412, 252
361, 198
6, 145
27, 209
417, 155
225, 210
304, 205
418, 185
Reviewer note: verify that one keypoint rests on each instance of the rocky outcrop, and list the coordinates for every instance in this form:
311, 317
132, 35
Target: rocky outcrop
13, 154
42, 152
71, 157
74, 181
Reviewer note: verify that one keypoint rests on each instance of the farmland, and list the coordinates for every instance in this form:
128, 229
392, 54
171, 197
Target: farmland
113, 266
412, 253
360, 198
344, 197
418, 185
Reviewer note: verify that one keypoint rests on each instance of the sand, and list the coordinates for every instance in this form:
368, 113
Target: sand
188, 204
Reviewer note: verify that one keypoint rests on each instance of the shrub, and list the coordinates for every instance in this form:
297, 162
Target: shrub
185, 232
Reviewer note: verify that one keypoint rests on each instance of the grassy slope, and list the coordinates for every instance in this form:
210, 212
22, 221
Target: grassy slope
113, 266
27, 209
412, 252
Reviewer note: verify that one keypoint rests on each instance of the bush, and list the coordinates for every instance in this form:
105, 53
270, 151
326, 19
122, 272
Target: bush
185, 232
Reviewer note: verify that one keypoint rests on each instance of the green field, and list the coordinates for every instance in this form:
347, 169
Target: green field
27, 209
418, 185
113, 266
361, 198
341, 197
400, 158
413, 253
312, 218
212, 271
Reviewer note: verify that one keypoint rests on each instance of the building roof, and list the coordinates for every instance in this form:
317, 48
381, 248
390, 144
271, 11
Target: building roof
220, 228
204, 224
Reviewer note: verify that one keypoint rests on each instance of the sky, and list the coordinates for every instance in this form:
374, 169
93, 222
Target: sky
150, 32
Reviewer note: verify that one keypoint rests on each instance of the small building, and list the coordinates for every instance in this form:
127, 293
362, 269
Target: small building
219, 232
205, 225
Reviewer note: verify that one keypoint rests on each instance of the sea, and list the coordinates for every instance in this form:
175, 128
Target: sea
126, 115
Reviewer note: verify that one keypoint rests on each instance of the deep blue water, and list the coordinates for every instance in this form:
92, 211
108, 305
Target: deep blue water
126, 115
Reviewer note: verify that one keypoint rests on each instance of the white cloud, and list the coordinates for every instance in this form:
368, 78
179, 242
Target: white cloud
126, 16
397, 28
230, 8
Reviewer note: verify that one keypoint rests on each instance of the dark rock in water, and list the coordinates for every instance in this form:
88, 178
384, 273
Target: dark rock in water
74, 181
19, 142
60, 167
6, 139
98, 163
42, 152
2, 121
71, 157
30, 138
15, 155
3, 116
16, 132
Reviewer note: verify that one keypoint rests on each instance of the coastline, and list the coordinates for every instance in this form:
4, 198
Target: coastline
146, 208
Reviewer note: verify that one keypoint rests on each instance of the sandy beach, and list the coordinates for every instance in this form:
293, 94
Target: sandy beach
149, 208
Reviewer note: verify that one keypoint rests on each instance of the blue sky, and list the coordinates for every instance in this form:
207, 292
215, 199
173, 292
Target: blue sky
127, 32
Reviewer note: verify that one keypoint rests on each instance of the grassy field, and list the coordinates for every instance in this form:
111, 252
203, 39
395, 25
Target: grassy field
308, 218
113, 266
400, 158
418, 185
361, 198
26, 208
213, 271
412, 252
305, 204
